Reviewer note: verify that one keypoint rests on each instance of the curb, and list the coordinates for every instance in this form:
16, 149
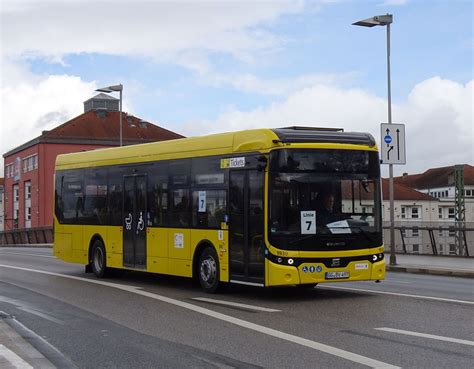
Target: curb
47, 355
430, 270
32, 245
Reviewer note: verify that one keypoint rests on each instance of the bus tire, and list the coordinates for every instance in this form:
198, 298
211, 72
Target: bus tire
208, 270
98, 259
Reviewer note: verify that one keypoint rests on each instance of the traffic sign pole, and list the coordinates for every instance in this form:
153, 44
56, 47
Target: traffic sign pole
393, 258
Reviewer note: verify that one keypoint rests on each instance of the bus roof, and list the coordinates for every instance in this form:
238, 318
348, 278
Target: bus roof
217, 144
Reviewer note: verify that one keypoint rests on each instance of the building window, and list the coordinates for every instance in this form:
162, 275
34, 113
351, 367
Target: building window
451, 213
27, 190
415, 213
9, 171
416, 248
440, 213
404, 212
27, 213
30, 163
415, 232
452, 232
16, 193
452, 249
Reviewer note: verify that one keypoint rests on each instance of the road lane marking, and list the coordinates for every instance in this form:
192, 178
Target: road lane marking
236, 304
229, 319
425, 335
398, 294
20, 253
13, 359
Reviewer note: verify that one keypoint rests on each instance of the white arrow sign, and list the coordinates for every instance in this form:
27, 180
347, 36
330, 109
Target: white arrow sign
392, 150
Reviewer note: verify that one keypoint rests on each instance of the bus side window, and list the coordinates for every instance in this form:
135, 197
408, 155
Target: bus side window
212, 213
181, 212
114, 195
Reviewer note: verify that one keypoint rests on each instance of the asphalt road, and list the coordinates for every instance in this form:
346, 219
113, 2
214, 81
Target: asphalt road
149, 321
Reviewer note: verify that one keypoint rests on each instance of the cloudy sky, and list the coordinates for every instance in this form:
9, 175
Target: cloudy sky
198, 67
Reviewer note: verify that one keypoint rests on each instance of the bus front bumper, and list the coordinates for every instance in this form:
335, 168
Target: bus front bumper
311, 273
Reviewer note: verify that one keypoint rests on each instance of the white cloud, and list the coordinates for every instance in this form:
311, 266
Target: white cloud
179, 32
156, 29
282, 86
438, 117
30, 107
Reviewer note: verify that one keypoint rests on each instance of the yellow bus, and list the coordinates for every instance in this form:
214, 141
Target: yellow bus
264, 207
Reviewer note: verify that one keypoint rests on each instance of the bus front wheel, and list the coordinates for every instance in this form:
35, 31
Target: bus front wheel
208, 272
98, 259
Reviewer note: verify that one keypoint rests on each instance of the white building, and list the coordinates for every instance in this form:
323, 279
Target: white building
425, 205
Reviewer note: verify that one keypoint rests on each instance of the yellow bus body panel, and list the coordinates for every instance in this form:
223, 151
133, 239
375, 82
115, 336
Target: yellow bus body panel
363, 270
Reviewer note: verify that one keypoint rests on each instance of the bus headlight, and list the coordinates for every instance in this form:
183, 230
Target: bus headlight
290, 261
374, 258
279, 260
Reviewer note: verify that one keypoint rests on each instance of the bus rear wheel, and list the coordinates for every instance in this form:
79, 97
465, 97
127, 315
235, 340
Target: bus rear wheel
98, 260
208, 271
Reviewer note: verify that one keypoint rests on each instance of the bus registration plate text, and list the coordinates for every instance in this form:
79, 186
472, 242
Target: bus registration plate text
337, 275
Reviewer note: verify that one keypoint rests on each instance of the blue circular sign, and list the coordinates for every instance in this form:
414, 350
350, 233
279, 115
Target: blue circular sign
387, 139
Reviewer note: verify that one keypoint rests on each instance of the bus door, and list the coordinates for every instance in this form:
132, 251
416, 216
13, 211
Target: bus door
246, 243
134, 221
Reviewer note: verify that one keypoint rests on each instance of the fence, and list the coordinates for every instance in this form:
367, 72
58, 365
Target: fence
435, 238
27, 236
410, 237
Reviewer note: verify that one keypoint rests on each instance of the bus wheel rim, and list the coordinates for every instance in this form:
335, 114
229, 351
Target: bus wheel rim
208, 270
98, 259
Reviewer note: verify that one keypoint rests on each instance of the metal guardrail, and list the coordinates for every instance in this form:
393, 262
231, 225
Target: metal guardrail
27, 236
410, 238
432, 238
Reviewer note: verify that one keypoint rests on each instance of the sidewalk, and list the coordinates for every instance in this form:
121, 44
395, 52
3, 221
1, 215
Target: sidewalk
16, 352
429, 264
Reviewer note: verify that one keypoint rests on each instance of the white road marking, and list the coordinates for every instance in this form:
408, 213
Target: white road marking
399, 294
13, 359
425, 335
229, 319
20, 253
236, 304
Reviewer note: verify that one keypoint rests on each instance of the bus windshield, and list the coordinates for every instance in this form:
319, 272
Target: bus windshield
324, 200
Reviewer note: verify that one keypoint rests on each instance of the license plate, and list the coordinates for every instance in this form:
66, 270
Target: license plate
337, 275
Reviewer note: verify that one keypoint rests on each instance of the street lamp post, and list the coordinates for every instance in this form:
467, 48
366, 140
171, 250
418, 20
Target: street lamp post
386, 20
118, 88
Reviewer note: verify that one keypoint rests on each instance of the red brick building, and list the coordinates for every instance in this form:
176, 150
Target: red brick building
29, 168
